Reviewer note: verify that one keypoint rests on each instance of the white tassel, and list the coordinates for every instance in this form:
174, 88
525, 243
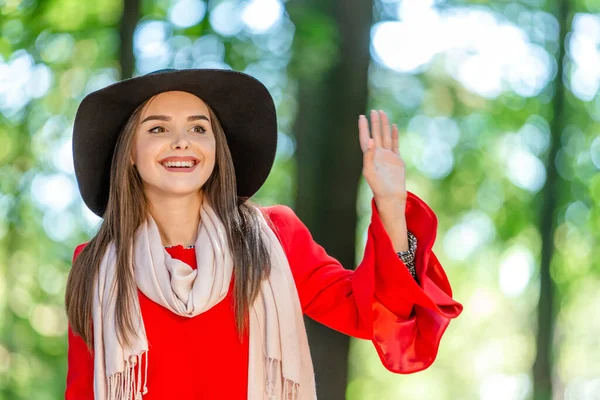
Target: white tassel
138, 386
146, 375
124, 385
271, 373
127, 390
290, 390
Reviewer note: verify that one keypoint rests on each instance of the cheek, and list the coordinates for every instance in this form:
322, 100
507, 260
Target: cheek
145, 152
137, 149
208, 148
213, 150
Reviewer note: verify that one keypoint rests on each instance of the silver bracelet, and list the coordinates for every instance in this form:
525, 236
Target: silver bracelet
408, 257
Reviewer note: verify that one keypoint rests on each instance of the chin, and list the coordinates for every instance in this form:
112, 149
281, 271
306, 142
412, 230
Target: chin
176, 188
182, 189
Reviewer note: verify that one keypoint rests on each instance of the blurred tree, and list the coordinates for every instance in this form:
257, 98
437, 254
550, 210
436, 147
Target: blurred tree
129, 20
549, 197
17, 160
505, 152
51, 53
330, 61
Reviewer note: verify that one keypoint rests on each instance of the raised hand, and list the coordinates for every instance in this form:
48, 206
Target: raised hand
383, 167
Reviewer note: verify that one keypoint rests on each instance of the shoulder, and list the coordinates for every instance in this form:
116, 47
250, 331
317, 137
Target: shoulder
280, 215
284, 221
78, 250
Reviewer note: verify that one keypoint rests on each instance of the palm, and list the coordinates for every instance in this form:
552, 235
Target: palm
383, 167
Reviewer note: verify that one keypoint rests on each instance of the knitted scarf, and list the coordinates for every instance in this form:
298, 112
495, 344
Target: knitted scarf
280, 366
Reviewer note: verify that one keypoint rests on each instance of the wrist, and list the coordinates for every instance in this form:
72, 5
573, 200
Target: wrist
390, 209
390, 201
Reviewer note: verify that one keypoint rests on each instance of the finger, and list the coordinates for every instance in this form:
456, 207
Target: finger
363, 132
369, 154
386, 132
395, 139
376, 128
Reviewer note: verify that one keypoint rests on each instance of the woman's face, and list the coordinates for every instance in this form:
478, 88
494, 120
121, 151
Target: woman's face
174, 145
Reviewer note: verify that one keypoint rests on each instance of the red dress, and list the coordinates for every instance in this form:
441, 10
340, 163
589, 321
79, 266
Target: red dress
202, 357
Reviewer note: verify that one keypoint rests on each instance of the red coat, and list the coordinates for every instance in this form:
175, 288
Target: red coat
202, 358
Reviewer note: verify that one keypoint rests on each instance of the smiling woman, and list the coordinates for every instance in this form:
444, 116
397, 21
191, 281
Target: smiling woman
174, 152
186, 268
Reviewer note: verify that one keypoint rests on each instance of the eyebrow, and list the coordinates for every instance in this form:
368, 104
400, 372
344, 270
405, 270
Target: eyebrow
167, 118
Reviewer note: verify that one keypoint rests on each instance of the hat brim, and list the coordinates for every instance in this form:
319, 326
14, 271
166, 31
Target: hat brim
243, 105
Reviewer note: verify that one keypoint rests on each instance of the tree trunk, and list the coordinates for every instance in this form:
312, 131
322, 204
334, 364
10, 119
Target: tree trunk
543, 365
329, 159
129, 20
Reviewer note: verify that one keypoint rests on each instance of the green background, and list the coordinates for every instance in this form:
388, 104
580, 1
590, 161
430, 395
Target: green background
498, 112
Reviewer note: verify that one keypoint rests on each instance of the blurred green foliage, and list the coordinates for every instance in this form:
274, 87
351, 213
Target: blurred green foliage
474, 152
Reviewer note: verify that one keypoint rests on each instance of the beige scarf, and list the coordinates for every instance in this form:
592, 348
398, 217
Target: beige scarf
280, 366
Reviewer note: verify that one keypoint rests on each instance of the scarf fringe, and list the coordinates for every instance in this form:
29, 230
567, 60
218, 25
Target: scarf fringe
122, 385
291, 389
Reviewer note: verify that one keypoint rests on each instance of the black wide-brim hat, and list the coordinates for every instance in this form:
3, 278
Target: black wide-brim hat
242, 104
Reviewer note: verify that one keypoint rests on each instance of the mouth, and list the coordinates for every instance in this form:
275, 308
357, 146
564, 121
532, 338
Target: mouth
180, 166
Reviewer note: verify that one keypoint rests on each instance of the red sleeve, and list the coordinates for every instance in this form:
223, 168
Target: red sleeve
80, 368
379, 301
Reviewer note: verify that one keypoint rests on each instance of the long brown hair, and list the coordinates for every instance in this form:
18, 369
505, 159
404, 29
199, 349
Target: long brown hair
127, 208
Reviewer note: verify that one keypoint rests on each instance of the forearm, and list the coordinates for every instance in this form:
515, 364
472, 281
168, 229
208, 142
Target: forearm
392, 214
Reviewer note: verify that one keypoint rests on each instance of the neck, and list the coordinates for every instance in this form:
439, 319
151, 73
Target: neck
177, 218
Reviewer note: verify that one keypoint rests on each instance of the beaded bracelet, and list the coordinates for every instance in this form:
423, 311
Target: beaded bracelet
408, 257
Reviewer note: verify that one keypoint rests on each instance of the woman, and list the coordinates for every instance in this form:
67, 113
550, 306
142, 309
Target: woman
189, 290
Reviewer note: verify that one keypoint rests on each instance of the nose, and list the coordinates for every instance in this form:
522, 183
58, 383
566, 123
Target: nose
180, 142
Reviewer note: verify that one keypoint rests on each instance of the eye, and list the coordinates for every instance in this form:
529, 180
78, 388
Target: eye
199, 129
153, 130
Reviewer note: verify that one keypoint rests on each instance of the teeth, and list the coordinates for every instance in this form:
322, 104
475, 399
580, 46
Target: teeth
187, 164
